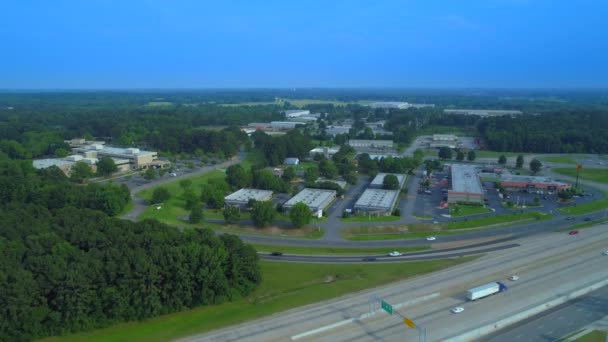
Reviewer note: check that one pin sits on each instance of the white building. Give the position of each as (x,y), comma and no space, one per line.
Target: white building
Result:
(315,199)
(294,113)
(377,201)
(378,181)
(241,197)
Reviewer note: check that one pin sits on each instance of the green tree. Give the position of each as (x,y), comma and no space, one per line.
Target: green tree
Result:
(62,152)
(312,174)
(300,214)
(328,169)
(289,174)
(390,182)
(263,213)
(196,213)
(106,166)
(535,166)
(231,214)
(190,199)
(471,155)
(160,195)
(502,160)
(185,183)
(149,174)
(460,156)
(237,177)
(445,153)
(519,162)
(80,172)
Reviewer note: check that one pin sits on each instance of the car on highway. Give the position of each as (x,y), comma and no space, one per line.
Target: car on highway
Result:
(394,254)
(570,218)
(457,309)
(276,253)
(513,278)
(605,253)
(573,232)
(369,259)
(587,219)
(431,238)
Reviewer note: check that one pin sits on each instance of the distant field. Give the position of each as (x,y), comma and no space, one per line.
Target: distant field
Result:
(159,103)
(495,154)
(300,103)
(558,160)
(595,175)
(284,286)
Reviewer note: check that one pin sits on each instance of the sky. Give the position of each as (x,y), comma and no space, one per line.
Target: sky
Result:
(332,43)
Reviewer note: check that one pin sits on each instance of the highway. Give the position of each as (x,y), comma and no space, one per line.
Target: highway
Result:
(549,266)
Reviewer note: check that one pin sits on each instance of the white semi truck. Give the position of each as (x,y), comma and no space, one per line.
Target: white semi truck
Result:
(485,290)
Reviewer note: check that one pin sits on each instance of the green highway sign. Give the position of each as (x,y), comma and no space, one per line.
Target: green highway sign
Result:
(387,307)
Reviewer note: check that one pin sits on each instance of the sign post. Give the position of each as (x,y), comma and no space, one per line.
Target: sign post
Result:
(387,307)
(578,169)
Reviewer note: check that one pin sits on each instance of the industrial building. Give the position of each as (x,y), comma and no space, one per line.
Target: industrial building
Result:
(138,159)
(531,183)
(377,201)
(242,197)
(328,152)
(482,112)
(291,161)
(294,113)
(63,164)
(335,130)
(444,140)
(390,105)
(315,199)
(466,186)
(370,144)
(378,181)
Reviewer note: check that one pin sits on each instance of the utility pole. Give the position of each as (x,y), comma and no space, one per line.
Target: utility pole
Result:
(578,169)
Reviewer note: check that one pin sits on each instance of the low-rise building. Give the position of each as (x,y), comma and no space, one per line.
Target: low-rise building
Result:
(241,197)
(483,112)
(138,159)
(291,161)
(466,186)
(390,105)
(378,181)
(377,201)
(531,183)
(328,152)
(294,113)
(359,144)
(315,199)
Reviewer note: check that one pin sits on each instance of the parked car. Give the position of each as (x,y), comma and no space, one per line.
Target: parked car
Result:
(431,238)
(570,218)
(457,309)
(605,253)
(573,232)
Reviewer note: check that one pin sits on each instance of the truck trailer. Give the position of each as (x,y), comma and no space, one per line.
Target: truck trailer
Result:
(485,290)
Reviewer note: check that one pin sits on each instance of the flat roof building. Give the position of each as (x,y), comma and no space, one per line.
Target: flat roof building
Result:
(482,112)
(315,199)
(379,144)
(138,158)
(444,137)
(466,186)
(328,152)
(532,183)
(242,196)
(377,201)
(291,161)
(294,113)
(390,105)
(378,181)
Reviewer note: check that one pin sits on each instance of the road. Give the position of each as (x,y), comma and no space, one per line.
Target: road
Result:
(566,262)
(558,322)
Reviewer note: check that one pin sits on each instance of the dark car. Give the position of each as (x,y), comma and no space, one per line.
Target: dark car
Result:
(570,218)
(587,219)
(276,253)
(369,259)
(573,232)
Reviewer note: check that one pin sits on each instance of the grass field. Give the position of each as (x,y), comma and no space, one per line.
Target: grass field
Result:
(159,104)
(594,336)
(466,210)
(494,154)
(370,218)
(595,175)
(421,230)
(584,225)
(558,160)
(334,250)
(306,284)
(586,207)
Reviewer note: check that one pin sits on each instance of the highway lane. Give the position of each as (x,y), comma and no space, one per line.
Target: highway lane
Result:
(558,322)
(534,288)
(534,252)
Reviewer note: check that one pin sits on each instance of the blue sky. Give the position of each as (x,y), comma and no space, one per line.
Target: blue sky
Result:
(202,44)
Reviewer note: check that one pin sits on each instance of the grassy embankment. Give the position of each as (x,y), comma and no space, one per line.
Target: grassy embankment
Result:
(420,230)
(335,250)
(306,284)
(466,210)
(558,160)
(594,175)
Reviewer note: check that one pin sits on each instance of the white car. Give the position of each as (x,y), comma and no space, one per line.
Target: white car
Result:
(513,278)
(394,254)
(431,238)
(457,309)
(605,253)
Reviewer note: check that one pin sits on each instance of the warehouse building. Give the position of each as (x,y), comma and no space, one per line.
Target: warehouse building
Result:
(390,105)
(531,183)
(242,197)
(373,144)
(378,181)
(483,112)
(377,201)
(294,113)
(138,159)
(315,199)
(466,186)
(328,152)
(291,161)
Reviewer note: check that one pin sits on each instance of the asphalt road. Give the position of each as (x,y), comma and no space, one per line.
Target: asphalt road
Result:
(558,322)
(550,265)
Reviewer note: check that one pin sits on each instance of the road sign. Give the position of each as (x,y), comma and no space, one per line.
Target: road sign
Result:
(409,322)
(387,307)
(579,166)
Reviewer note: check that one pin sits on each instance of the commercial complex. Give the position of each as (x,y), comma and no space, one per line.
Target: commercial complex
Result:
(444,140)
(138,159)
(328,152)
(242,197)
(482,112)
(513,182)
(315,199)
(370,144)
(377,201)
(378,181)
(294,113)
(466,186)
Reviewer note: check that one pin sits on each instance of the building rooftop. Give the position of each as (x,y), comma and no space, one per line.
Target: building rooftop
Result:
(377,199)
(46,163)
(243,195)
(360,142)
(465,179)
(313,198)
(444,137)
(114,151)
(379,179)
(399,105)
(530,179)
(482,112)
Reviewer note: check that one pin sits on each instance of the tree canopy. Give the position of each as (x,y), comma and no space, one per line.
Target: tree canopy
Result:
(300,214)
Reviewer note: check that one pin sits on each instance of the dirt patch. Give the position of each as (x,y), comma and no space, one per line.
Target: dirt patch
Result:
(271,230)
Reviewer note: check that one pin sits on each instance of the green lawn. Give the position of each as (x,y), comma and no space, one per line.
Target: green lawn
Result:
(505,219)
(466,210)
(594,336)
(334,250)
(584,225)
(586,207)
(559,160)
(494,154)
(595,175)
(284,286)
(370,218)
